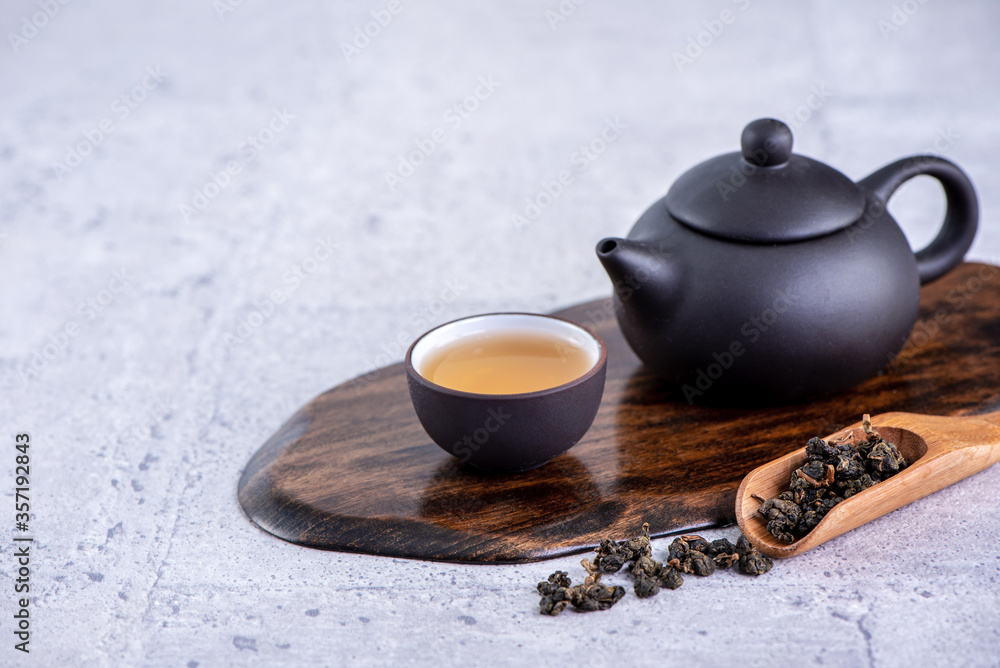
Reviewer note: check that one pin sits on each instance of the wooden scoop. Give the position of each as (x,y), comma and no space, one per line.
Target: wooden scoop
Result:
(941,451)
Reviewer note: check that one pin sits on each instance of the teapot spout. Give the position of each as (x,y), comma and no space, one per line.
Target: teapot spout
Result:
(645,276)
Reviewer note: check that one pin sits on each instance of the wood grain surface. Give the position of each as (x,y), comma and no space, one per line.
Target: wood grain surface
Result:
(353,470)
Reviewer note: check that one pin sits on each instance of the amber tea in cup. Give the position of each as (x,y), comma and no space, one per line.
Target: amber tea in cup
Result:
(506,391)
(508,362)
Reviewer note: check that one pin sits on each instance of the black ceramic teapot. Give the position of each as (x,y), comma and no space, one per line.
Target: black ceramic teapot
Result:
(766,277)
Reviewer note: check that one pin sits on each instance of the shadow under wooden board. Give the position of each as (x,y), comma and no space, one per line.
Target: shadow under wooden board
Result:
(353,470)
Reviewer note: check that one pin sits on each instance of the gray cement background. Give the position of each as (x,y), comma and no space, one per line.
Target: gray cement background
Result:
(145,415)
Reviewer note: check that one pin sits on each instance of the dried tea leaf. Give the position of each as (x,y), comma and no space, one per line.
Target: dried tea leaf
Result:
(751,561)
(646,586)
(671,578)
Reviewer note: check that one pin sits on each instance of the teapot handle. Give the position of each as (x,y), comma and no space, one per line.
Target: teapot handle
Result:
(961,217)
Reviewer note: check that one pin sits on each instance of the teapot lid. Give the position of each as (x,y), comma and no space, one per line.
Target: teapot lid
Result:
(765,193)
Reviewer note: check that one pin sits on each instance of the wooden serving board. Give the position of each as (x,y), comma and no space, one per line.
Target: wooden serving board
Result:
(353,470)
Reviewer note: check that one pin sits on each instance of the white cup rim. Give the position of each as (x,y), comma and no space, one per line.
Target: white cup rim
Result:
(449,332)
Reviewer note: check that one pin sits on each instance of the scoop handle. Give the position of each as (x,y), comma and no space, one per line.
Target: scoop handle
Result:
(961,218)
(949,433)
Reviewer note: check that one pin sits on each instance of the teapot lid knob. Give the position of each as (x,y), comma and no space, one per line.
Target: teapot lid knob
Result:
(766,142)
(764,193)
